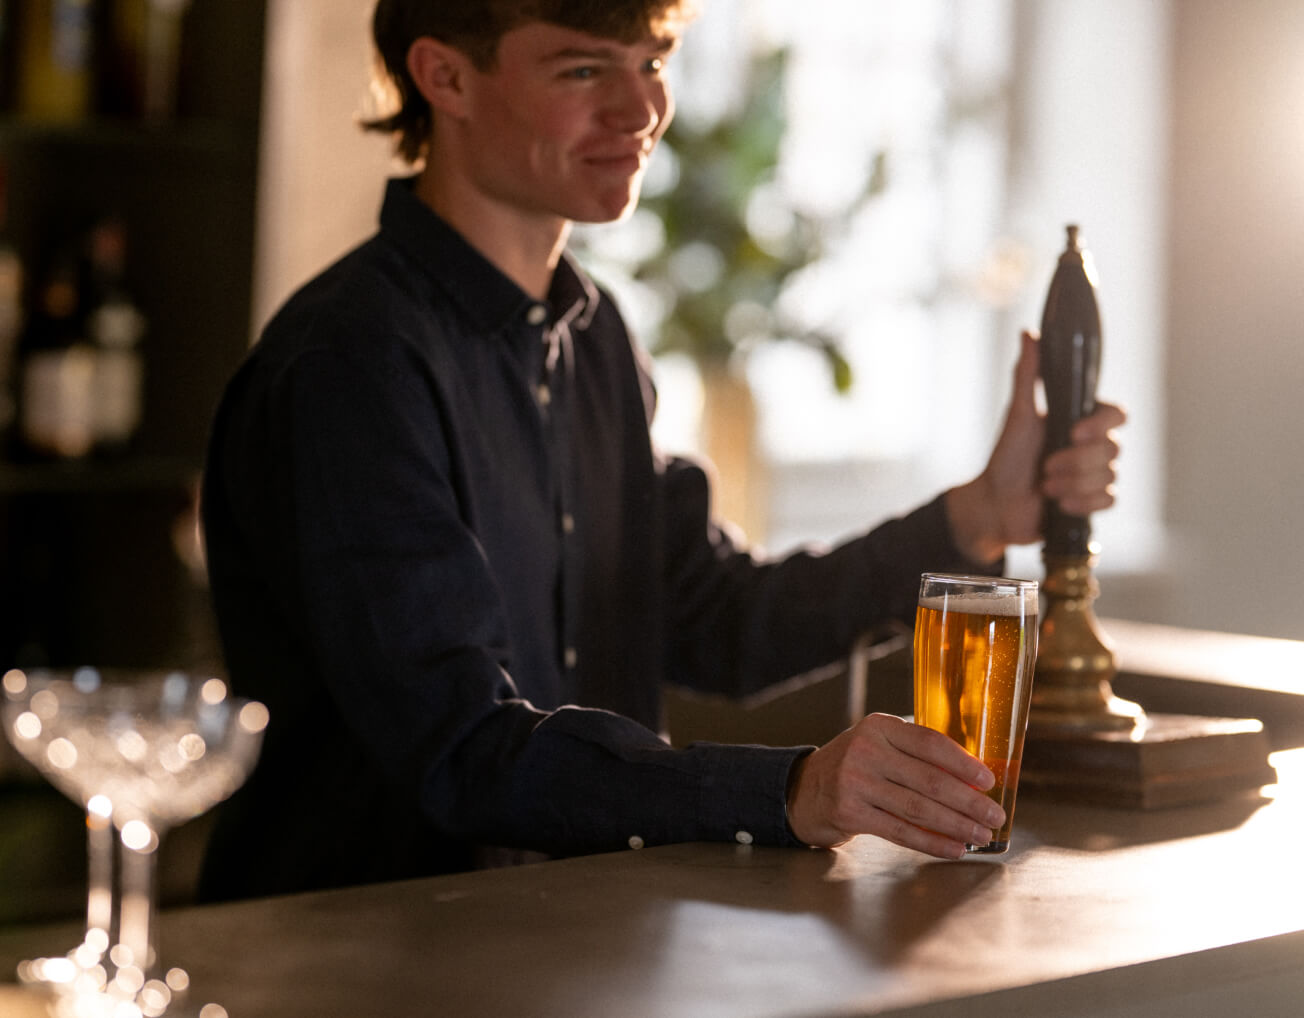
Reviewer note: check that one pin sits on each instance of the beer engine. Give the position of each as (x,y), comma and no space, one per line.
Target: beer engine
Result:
(1083,741)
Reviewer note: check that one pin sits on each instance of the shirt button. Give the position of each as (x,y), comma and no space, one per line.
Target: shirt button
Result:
(571,657)
(743,838)
(537,315)
(544,395)
(567,523)
(635,841)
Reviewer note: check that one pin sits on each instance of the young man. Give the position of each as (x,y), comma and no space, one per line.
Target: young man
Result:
(445,553)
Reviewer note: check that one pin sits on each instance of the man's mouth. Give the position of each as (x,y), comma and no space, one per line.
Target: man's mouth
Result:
(625,160)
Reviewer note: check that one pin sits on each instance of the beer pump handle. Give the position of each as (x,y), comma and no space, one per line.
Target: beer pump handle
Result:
(1070,366)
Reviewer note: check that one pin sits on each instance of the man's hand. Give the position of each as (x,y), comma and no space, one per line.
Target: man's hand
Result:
(1003,505)
(898,781)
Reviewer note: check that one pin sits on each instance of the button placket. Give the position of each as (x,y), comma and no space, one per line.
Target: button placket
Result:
(557,374)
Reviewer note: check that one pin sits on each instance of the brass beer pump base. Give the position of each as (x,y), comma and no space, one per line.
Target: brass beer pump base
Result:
(1072,691)
(1085,744)
(1166,760)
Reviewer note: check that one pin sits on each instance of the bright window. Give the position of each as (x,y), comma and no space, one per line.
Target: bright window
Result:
(994,123)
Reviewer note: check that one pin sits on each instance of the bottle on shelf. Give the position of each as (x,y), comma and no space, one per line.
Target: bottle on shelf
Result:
(8,54)
(11,310)
(120,63)
(55,406)
(114,328)
(163,57)
(139,44)
(56,59)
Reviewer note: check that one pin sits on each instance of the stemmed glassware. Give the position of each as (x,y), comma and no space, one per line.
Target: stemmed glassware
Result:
(140,753)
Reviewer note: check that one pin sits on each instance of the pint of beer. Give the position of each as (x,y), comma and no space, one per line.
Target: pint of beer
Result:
(975,647)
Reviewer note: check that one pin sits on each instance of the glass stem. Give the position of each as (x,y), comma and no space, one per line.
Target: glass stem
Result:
(136,914)
(99,893)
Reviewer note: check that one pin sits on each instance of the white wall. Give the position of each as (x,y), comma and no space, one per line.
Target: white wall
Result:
(321,176)
(1236,344)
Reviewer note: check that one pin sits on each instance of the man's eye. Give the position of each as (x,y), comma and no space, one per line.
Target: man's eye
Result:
(656,65)
(582,73)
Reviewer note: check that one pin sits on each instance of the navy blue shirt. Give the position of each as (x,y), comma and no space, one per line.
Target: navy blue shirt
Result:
(446,555)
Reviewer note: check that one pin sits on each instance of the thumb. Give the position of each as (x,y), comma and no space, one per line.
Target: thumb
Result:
(1018,448)
(1023,401)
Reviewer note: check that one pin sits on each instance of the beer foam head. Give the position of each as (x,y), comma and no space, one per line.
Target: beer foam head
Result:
(983,602)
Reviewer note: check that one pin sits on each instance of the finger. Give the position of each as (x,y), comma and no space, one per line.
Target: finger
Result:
(933,783)
(919,743)
(1080,469)
(1084,505)
(933,798)
(882,824)
(1081,479)
(1079,496)
(1095,452)
(1081,482)
(1097,425)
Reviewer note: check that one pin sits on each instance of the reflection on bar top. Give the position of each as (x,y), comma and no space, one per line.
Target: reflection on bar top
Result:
(1231,659)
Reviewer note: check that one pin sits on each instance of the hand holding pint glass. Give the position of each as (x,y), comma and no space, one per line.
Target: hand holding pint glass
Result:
(975,647)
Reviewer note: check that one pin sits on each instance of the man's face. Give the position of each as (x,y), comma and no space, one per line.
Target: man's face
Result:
(564,123)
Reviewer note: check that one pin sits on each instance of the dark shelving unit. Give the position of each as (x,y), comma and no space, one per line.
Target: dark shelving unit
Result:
(93,567)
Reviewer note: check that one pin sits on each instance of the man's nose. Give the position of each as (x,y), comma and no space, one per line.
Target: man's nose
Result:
(638,104)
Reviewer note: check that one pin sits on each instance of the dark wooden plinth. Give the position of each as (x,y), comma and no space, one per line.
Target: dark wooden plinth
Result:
(1171,760)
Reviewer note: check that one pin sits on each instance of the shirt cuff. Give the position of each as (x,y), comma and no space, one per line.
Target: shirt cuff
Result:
(744,794)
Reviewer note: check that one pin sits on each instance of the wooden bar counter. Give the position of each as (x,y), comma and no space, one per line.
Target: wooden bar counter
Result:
(1189,911)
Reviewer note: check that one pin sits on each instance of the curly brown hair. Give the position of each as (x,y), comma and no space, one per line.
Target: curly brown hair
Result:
(475,27)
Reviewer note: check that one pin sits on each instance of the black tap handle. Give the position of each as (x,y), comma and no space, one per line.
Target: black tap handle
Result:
(1070,367)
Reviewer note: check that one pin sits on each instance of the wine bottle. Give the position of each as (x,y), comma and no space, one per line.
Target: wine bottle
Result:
(162,54)
(8,54)
(114,327)
(55,50)
(58,372)
(122,32)
(138,57)
(11,309)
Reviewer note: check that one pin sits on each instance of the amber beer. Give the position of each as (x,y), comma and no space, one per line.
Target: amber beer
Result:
(975,647)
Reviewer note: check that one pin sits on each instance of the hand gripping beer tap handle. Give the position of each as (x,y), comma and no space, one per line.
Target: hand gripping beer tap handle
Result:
(1070,366)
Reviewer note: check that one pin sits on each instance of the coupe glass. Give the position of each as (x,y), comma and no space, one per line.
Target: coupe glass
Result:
(141,753)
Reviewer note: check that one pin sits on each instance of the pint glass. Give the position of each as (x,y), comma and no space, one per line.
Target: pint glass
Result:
(975,647)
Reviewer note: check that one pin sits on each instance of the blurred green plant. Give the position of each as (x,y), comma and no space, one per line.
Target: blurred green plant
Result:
(733,240)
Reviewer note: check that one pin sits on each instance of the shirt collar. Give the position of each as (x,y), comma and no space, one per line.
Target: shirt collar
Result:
(484,294)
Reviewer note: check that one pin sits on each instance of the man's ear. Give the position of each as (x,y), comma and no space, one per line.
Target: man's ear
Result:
(440,73)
